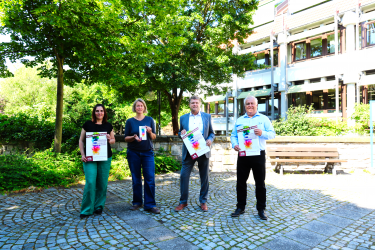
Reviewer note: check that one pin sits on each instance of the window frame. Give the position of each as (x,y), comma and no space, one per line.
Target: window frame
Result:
(308,40)
(267,53)
(216,114)
(364,28)
(308,97)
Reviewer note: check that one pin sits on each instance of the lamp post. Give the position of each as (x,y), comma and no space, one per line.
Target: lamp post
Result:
(159,103)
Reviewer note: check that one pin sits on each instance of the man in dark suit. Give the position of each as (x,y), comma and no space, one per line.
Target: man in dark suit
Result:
(188,122)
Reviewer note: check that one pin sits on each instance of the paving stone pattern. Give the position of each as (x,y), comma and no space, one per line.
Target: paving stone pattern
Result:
(305,212)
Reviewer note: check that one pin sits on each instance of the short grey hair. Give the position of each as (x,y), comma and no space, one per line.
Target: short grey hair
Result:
(248,97)
(141,101)
(194,97)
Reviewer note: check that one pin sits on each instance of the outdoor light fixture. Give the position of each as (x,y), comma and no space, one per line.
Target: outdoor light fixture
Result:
(150,95)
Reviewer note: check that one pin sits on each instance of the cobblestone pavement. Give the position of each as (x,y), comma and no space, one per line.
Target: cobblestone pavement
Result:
(305,212)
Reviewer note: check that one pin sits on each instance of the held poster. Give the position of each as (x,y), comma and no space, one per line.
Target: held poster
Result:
(142,133)
(248,141)
(195,143)
(96,146)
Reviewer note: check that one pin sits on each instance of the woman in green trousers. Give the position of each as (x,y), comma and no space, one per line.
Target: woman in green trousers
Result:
(96,172)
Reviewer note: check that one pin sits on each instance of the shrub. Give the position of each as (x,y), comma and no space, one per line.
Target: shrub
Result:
(23,127)
(165,163)
(43,169)
(300,124)
(119,166)
(361,116)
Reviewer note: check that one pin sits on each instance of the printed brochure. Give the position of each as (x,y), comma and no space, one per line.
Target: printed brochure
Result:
(142,133)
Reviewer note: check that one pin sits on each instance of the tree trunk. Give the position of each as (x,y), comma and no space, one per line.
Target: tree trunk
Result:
(59,106)
(174,110)
(174,104)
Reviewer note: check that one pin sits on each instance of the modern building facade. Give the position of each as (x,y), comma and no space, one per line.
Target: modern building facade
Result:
(323,53)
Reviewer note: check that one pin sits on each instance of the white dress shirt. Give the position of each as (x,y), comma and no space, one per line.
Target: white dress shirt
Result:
(196,121)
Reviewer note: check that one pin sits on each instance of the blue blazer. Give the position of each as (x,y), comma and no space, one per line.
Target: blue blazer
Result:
(208,132)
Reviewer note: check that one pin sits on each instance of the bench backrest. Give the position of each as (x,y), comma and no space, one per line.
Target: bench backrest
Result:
(302,151)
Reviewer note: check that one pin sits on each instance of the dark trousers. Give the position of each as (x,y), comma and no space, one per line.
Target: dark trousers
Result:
(258,165)
(187,166)
(142,160)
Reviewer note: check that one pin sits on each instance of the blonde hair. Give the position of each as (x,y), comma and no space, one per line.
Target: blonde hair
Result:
(141,101)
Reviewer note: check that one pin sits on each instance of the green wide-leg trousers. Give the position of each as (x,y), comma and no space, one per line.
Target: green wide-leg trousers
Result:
(95,192)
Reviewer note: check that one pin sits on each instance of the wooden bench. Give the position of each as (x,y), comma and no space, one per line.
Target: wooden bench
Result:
(297,155)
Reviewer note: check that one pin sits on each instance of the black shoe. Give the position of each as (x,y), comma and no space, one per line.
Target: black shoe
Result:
(99,211)
(82,216)
(238,212)
(153,210)
(262,215)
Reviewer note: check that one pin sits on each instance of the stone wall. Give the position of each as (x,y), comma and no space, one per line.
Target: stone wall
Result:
(354,149)
(14,147)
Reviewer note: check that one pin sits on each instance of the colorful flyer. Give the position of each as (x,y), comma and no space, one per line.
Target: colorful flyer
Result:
(96,146)
(195,143)
(248,141)
(142,133)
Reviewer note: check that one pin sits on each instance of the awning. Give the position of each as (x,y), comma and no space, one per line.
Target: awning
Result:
(256,93)
(367,80)
(312,87)
(215,98)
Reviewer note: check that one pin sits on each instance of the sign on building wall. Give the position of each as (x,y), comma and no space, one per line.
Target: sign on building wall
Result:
(297,5)
(264,14)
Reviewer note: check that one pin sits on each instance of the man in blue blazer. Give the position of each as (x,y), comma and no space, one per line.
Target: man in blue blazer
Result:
(188,122)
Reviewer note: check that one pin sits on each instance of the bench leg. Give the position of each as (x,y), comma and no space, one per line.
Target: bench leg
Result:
(333,169)
(281,170)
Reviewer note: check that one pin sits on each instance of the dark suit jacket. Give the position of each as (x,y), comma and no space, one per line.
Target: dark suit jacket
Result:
(208,132)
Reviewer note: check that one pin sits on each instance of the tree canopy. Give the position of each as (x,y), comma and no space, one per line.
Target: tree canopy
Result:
(194,48)
(79,37)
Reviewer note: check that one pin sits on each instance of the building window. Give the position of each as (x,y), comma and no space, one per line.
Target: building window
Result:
(300,51)
(264,58)
(218,108)
(221,107)
(230,105)
(261,58)
(316,46)
(275,58)
(331,43)
(322,101)
(371,92)
(212,108)
(262,105)
(317,100)
(370,34)
(367,33)
(331,99)
(319,46)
